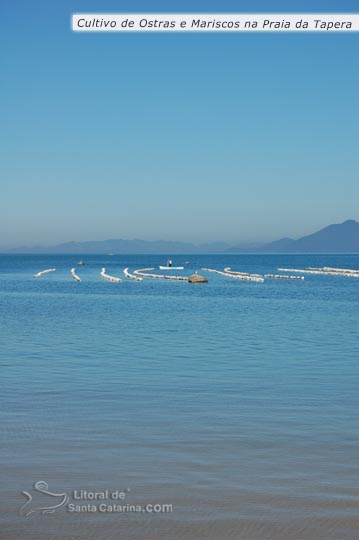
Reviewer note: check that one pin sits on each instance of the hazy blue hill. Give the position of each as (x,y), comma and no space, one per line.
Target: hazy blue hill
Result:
(337,238)
(119,246)
(273,247)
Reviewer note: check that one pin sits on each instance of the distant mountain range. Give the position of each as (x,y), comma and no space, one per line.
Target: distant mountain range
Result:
(338,238)
(127,246)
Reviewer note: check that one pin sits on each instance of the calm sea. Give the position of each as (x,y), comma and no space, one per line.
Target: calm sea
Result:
(234,402)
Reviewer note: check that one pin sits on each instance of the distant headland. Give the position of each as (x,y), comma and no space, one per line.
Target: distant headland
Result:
(335,238)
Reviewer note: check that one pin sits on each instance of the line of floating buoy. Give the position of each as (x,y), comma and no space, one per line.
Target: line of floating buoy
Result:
(281,276)
(330,269)
(131,276)
(228,270)
(323,271)
(109,278)
(243,277)
(43,272)
(146,272)
(75,276)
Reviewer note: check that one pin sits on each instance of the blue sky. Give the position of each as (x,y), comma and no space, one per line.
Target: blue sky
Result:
(197,137)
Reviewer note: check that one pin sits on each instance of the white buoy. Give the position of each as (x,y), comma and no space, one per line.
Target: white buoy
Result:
(228,270)
(109,278)
(74,275)
(43,272)
(131,276)
(146,272)
(345,272)
(244,277)
(281,276)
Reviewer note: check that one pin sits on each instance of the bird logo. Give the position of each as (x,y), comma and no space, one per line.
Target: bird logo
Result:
(39,500)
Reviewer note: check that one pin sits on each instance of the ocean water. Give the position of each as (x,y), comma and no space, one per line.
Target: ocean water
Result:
(234,402)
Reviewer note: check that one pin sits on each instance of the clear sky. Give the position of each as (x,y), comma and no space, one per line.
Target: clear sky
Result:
(196,137)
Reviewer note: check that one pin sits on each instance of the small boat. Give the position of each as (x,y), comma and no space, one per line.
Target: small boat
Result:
(171,267)
(80,263)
